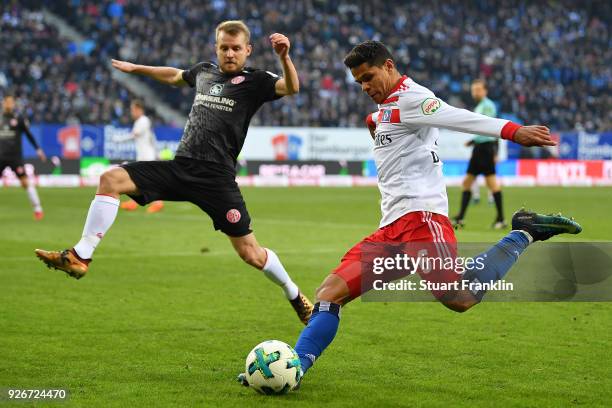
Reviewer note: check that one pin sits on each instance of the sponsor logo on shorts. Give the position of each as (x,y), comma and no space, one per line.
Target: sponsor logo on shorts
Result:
(430,106)
(233,216)
(237,80)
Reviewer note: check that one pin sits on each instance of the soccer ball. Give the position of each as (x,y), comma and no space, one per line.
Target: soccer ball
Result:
(273,367)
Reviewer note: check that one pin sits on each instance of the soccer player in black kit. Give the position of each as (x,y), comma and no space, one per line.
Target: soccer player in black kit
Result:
(12,126)
(204,169)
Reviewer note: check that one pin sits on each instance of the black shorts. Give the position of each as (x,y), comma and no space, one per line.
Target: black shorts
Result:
(483,159)
(15,164)
(210,186)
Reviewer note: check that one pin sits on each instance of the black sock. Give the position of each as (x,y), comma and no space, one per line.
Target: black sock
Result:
(465,200)
(498,204)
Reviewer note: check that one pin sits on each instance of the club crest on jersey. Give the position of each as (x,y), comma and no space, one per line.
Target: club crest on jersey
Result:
(233,216)
(216,89)
(237,80)
(385,116)
(430,106)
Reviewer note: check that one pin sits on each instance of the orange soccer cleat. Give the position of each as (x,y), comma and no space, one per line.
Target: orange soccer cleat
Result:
(65,260)
(129,205)
(156,206)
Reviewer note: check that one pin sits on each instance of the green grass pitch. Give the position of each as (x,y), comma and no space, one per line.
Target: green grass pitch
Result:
(159,322)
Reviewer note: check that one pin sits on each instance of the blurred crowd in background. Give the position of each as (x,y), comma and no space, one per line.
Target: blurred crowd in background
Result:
(545,62)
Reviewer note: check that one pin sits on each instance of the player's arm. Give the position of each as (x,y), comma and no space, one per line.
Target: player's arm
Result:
(289,84)
(165,75)
(25,128)
(427,110)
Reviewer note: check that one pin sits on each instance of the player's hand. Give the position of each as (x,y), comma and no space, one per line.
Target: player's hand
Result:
(281,44)
(123,66)
(41,155)
(534,136)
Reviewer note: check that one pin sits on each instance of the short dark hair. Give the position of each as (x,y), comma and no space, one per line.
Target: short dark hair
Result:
(374,53)
(481,82)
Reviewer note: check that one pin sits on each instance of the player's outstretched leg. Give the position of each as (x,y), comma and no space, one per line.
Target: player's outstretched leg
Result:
(33,197)
(323,324)
(267,261)
(101,215)
(527,227)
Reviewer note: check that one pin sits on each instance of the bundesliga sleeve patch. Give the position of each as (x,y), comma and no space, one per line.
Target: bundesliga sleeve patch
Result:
(430,106)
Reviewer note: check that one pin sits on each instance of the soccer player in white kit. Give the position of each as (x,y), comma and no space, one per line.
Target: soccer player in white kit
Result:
(414,203)
(144,141)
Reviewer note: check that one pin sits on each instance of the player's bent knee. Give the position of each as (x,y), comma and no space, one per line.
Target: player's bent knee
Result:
(333,290)
(115,182)
(107,184)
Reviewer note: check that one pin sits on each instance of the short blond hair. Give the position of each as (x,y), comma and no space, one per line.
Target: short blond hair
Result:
(233,27)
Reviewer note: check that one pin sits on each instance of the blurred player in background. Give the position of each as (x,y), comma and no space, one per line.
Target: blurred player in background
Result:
(414,201)
(144,140)
(482,161)
(203,171)
(12,126)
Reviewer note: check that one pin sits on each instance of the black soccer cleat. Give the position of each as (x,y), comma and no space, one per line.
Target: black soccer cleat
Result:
(457,222)
(542,227)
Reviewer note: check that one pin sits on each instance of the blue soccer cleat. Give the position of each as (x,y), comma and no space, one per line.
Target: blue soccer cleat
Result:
(542,227)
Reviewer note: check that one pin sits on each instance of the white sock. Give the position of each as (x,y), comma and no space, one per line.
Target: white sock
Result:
(275,271)
(33,196)
(101,215)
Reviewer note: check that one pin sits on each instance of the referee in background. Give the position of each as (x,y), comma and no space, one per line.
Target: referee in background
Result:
(482,160)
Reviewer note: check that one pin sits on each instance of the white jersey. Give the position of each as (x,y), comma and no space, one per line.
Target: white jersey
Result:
(144,139)
(406,152)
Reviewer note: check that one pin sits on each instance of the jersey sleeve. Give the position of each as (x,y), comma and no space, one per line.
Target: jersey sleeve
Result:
(189,75)
(24,126)
(267,86)
(425,109)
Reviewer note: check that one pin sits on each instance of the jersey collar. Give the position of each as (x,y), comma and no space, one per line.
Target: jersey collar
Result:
(395,88)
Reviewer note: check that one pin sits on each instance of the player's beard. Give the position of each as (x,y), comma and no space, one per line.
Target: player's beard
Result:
(231,68)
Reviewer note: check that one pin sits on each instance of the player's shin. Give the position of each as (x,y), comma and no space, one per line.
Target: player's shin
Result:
(318,334)
(34,199)
(497,261)
(275,271)
(101,215)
